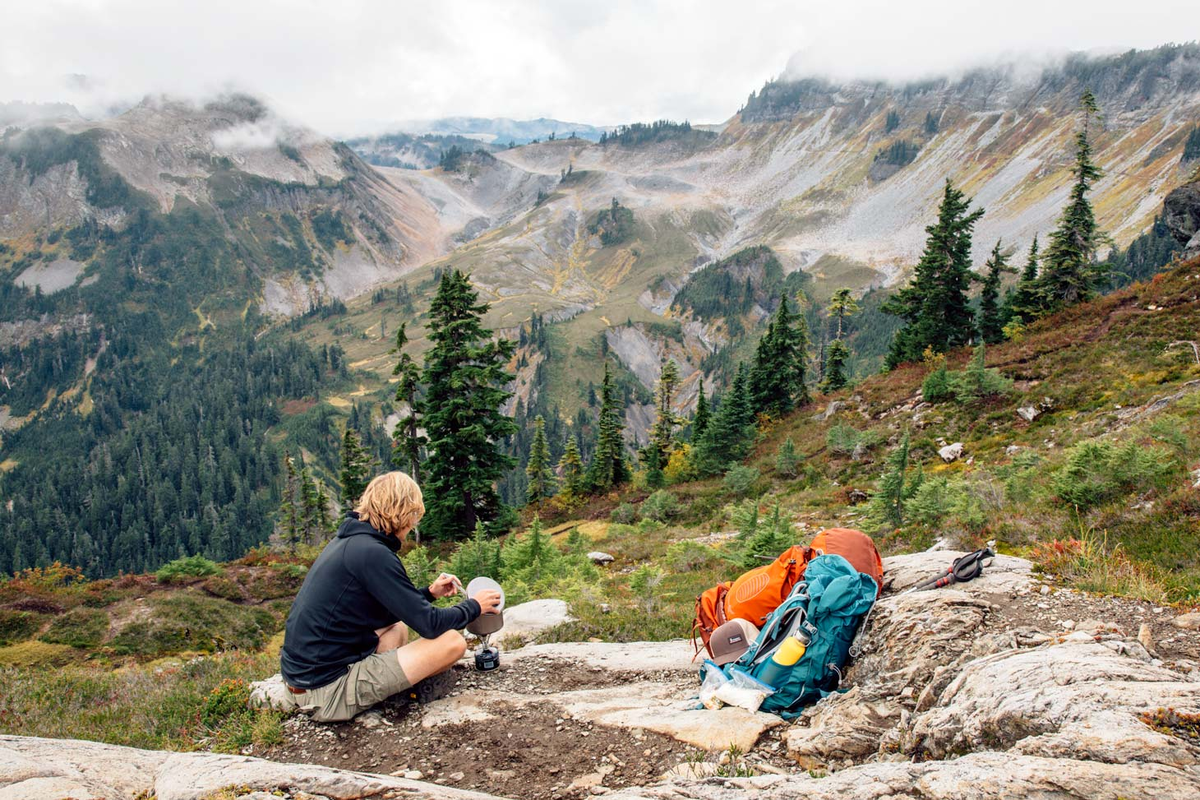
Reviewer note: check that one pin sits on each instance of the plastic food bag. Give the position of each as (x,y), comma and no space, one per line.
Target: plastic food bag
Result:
(714,679)
(743,691)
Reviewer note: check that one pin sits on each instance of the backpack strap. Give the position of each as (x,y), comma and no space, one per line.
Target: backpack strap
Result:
(698,627)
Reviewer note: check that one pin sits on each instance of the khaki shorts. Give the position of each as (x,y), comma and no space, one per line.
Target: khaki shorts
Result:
(367,682)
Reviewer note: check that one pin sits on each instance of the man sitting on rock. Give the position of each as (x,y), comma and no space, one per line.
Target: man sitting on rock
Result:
(346,644)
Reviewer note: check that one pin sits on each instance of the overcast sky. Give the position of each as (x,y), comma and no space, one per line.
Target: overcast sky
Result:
(351,66)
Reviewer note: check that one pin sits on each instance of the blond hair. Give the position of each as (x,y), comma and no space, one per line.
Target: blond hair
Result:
(392,504)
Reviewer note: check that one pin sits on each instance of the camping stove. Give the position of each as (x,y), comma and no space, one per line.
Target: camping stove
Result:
(487,658)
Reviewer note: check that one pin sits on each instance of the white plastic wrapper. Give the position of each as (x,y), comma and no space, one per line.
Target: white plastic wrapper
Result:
(743,691)
(714,679)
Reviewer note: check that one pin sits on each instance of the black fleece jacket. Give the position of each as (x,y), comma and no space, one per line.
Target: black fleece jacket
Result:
(355,587)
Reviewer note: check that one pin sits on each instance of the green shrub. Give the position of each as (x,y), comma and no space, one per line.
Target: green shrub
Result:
(421,567)
(936,386)
(1168,429)
(786,460)
(969,386)
(930,503)
(689,556)
(1022,478)
(660,506)
(1096,472)
(624,514)
(220,586)
(191,622)
(771,537)
(187,567)
(228,697)
(645,583)
(16,626)
(977,382)
(842,439)
(739,480)
(79,627)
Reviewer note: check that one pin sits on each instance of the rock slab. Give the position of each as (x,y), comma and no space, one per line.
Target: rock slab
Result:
(38,769)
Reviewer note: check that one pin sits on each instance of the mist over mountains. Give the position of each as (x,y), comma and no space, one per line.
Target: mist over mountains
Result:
(180,228)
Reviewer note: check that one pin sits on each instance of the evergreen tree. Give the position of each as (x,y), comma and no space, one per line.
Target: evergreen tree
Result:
(465,380)
(841,305)
(571,465)
(887,504)
(931,124)
(356,468)
(288,511)
(1023,303)
(310,505)
(780,362)
(991,313)
(408,441)
(541,478)
(785,459)
(771,537)
(477,556)
(731,434)
(662,432)
(934,306)
(701,418)
(608,467)
(1070,273)
(324,519)
(531,557)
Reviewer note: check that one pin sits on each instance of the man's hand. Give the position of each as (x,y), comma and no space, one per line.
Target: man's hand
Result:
(445,585)
(489,601)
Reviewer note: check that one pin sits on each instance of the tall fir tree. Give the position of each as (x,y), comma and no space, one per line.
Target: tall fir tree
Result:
(777,379)
(356,468)
(1023,304)
(663,439)
(541,477)
(289,511)
(465,384)
(608,468)
(731,433)
(702,417)
(1070,273)
(887,504)
(991,313)
(934,306)
(313,511)
(571,466)
(837,356)
(408,443)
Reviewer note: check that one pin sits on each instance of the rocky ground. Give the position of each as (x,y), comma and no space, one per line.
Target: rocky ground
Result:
(1007,686)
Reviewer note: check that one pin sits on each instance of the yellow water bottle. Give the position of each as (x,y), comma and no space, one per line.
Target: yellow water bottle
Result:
(780,664)
(791,651)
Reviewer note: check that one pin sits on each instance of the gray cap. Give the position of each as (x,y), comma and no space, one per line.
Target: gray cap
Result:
(730,640)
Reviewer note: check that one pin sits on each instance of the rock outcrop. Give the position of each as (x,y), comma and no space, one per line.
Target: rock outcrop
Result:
(980,690)
(1181,214)
(39,769)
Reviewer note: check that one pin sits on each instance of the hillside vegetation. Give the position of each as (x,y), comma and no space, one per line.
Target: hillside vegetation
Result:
(1100,488)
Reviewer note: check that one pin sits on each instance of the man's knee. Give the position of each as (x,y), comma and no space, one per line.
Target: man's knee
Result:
(455,646)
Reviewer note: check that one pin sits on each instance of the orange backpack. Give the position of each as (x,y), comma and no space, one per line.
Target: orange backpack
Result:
(752,596)
(854,546)
(760,591)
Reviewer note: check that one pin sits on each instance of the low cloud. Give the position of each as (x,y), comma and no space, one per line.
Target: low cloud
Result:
(361,65)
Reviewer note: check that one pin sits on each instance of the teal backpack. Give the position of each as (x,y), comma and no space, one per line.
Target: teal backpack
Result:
(828,605)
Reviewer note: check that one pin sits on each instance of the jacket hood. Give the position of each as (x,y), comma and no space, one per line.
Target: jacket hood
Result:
(353,526)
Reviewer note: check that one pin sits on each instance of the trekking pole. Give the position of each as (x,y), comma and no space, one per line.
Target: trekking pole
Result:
(964,568)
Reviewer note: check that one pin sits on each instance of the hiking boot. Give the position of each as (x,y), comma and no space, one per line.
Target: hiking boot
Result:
(433,688)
